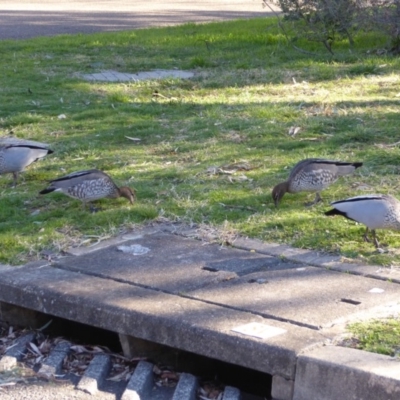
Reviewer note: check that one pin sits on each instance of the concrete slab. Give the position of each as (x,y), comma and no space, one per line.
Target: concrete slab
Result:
(282,389)
(317,259)
(116,76)
(156,285)
(159,317)
(307,296)
(332,373)
(172,264)
(249,281)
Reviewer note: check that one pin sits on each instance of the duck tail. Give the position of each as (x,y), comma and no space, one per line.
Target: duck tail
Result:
(348,168)
(334,211)
(47,190)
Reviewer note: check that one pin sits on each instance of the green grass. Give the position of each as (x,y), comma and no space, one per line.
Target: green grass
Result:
(377,336)
(250,88)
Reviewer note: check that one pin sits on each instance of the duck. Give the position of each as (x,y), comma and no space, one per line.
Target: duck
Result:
(375,211)
(89,185)
(313,175)
(17,154)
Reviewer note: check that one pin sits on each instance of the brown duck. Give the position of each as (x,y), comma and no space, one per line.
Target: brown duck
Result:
(88,186)
(313,175)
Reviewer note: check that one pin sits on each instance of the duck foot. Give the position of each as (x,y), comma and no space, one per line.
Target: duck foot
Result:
(313,203)
(94,209)
(316,201)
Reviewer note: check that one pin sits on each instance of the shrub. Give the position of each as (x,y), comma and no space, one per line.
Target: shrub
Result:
(326,21)
(384,15)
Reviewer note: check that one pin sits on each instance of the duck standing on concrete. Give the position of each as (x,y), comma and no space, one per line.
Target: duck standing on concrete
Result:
(377,211)
(313,175)
(88,186)
(17,154)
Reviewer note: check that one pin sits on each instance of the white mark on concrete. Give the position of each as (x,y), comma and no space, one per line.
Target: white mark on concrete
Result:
(376,290)
(135,249)
(258,330)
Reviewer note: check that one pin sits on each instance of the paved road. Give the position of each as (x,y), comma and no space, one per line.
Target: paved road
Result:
(21,19)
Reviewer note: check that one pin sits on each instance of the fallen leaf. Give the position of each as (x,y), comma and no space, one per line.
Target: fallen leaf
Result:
(294,130)
(35,348)
(121,376)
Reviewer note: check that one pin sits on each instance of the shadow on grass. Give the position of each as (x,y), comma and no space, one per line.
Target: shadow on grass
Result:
(219,118)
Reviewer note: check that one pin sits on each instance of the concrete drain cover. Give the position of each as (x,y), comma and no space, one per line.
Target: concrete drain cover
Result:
(115,76)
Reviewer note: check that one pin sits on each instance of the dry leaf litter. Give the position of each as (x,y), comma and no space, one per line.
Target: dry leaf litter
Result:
(78,361)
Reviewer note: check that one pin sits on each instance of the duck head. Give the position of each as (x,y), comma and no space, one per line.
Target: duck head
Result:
(128,193)
(278,192)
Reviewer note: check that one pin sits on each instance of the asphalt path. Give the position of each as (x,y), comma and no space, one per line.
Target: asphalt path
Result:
(23,19)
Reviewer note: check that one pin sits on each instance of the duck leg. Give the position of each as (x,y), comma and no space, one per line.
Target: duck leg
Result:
(365,236)
(374,239)
(15,176)
(376,243)
(317,199)
(93,209)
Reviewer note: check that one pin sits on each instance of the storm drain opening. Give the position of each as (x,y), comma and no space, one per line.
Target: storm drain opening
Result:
(210,269)
(212,374)
(350,301)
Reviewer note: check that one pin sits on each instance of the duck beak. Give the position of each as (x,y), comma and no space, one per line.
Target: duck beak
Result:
(132,197)
(276,199)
